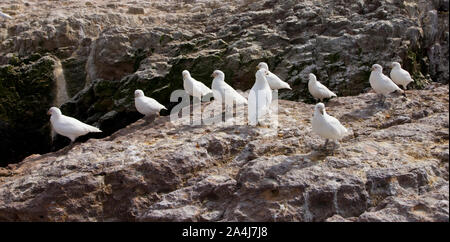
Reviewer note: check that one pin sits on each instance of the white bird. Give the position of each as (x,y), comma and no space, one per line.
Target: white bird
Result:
(381,83)
(194,87)
(259,98)
(224,92)
(326,126)
(400,76)
(68,126)
(4,15)
(275,82)
(146,105)
(317,89)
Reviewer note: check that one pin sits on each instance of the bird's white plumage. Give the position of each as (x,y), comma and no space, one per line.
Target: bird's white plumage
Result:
(194,87)
(222,91)
(317,89)
(274,81)
(4,15)
(68,126)
(380,82)
(400,76)
(259,98)
(146,105)
(326,126)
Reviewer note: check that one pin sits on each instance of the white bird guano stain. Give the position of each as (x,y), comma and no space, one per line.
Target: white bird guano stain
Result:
(61,90)
(91,71)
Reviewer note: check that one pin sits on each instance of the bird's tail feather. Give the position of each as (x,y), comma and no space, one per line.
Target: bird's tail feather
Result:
(94,129)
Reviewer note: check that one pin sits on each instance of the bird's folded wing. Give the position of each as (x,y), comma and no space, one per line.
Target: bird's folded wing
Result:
(406,75)
(336,124)
(389,84)
(73,126)
(273,77)
(228,90)
(204,89)
(197,89)
(152,103)
(324,90)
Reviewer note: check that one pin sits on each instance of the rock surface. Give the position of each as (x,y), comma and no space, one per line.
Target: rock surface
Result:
(384,170)
(107,49)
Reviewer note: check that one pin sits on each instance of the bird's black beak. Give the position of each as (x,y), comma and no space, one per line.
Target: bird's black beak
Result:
(321,111)
(48,112)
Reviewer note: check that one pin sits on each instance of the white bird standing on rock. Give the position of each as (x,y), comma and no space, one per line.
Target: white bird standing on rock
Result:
(4,15)
(317,89)
(146,105)
(326,126)
(194,87)
(259,98)
(68,126)
(381,83)
(400,76)
(222,91)
(274,81)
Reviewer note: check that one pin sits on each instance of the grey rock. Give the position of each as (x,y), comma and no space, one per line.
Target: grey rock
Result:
(163,171)
(136,10)
(150,46)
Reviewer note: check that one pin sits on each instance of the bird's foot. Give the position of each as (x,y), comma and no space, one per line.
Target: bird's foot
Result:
(324,146)
(336,145)
(150,118)
(404,93)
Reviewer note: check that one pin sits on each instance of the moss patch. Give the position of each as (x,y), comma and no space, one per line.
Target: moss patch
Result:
(414,63)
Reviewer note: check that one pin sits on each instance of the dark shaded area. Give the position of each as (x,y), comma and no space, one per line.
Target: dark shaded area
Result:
(26,93)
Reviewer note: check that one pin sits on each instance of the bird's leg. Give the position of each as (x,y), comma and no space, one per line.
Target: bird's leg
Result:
(378,99)
(150,118)
(334,147)
(228,115)
(382,100)
(258,124)
(326,143)
(336,144)
(229,108)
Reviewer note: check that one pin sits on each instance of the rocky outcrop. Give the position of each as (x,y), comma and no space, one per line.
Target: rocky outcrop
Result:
(393,166)
(108,49)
